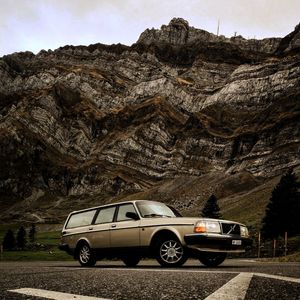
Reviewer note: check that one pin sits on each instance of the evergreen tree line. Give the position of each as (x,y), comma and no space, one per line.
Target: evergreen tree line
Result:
(211,208)
(282,212)
(10,242)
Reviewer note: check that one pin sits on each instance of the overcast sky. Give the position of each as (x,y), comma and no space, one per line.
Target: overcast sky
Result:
(48,24)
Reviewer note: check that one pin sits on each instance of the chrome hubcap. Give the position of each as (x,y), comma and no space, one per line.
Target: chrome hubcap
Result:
(171,251)
(84,254)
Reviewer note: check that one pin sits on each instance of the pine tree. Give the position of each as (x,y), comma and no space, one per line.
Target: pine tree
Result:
(21,237)
(9,241)
(211,208)
(283,209)
(32,233)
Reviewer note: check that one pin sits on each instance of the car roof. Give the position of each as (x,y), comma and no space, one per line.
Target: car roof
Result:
(111,204)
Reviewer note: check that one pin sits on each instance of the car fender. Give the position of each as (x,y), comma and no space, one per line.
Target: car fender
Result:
(82,239)
(170,229)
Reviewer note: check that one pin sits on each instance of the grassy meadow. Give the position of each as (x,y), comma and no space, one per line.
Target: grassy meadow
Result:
(44,247)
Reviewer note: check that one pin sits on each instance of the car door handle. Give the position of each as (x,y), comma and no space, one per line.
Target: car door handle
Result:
(113,226)
(91,228)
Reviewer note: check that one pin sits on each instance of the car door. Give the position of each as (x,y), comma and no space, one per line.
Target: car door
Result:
(78,227)
(101,227)
(125,232)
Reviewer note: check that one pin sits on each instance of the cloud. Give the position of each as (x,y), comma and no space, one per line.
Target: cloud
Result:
(34,24)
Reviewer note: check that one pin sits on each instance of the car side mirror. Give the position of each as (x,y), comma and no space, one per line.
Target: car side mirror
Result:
(132,215)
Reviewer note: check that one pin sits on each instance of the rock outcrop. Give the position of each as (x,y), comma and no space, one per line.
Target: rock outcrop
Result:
(84,125)
(179,33)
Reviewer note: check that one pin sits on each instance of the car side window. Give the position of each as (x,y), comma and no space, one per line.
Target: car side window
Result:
(123,209)
(81,219)
(106,215)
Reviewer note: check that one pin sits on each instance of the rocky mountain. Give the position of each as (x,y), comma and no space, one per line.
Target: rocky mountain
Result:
(178,115)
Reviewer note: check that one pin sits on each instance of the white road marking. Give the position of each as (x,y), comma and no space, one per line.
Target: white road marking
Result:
(53,295)
(235,289)
(248,260)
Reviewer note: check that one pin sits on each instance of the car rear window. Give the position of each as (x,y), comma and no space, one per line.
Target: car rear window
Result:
(81,219)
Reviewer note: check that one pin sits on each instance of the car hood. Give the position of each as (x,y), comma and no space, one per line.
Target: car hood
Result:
(183,220)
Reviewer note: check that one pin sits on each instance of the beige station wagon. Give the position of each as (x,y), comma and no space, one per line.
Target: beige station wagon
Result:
(136,229)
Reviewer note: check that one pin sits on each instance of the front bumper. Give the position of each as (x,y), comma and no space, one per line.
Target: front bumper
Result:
(217,242)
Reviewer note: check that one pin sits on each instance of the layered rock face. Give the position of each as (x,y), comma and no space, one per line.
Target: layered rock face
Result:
(102,122)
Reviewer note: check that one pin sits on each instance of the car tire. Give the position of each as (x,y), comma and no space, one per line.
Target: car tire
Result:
(170,252)
(212,259)
(86,256)
(131,261)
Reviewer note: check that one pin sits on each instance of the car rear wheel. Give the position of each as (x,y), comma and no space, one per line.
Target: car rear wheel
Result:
(212,259)
(170,253)
(85,256)
(131,261)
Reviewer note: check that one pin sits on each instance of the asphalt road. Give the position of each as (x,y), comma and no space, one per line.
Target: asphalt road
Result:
(234,279)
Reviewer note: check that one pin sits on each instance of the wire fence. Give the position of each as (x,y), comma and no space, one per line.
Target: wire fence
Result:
(281,246)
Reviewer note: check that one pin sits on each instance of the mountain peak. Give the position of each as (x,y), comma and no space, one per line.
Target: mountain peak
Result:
(179,22)
(177,32)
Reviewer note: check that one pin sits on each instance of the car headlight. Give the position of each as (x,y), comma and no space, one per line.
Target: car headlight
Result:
(244,231)
(207,226)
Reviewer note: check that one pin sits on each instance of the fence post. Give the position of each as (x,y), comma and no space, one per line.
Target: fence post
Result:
(258,250)
(1,251)
(274,247)
(285,243)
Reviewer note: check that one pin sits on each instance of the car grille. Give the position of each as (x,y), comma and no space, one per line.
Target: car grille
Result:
(231,228)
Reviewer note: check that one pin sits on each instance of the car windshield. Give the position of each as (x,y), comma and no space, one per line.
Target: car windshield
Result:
(154,210)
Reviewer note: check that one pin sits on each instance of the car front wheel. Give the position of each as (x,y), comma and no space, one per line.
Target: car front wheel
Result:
(170,253)
(85,256)
(212,259)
